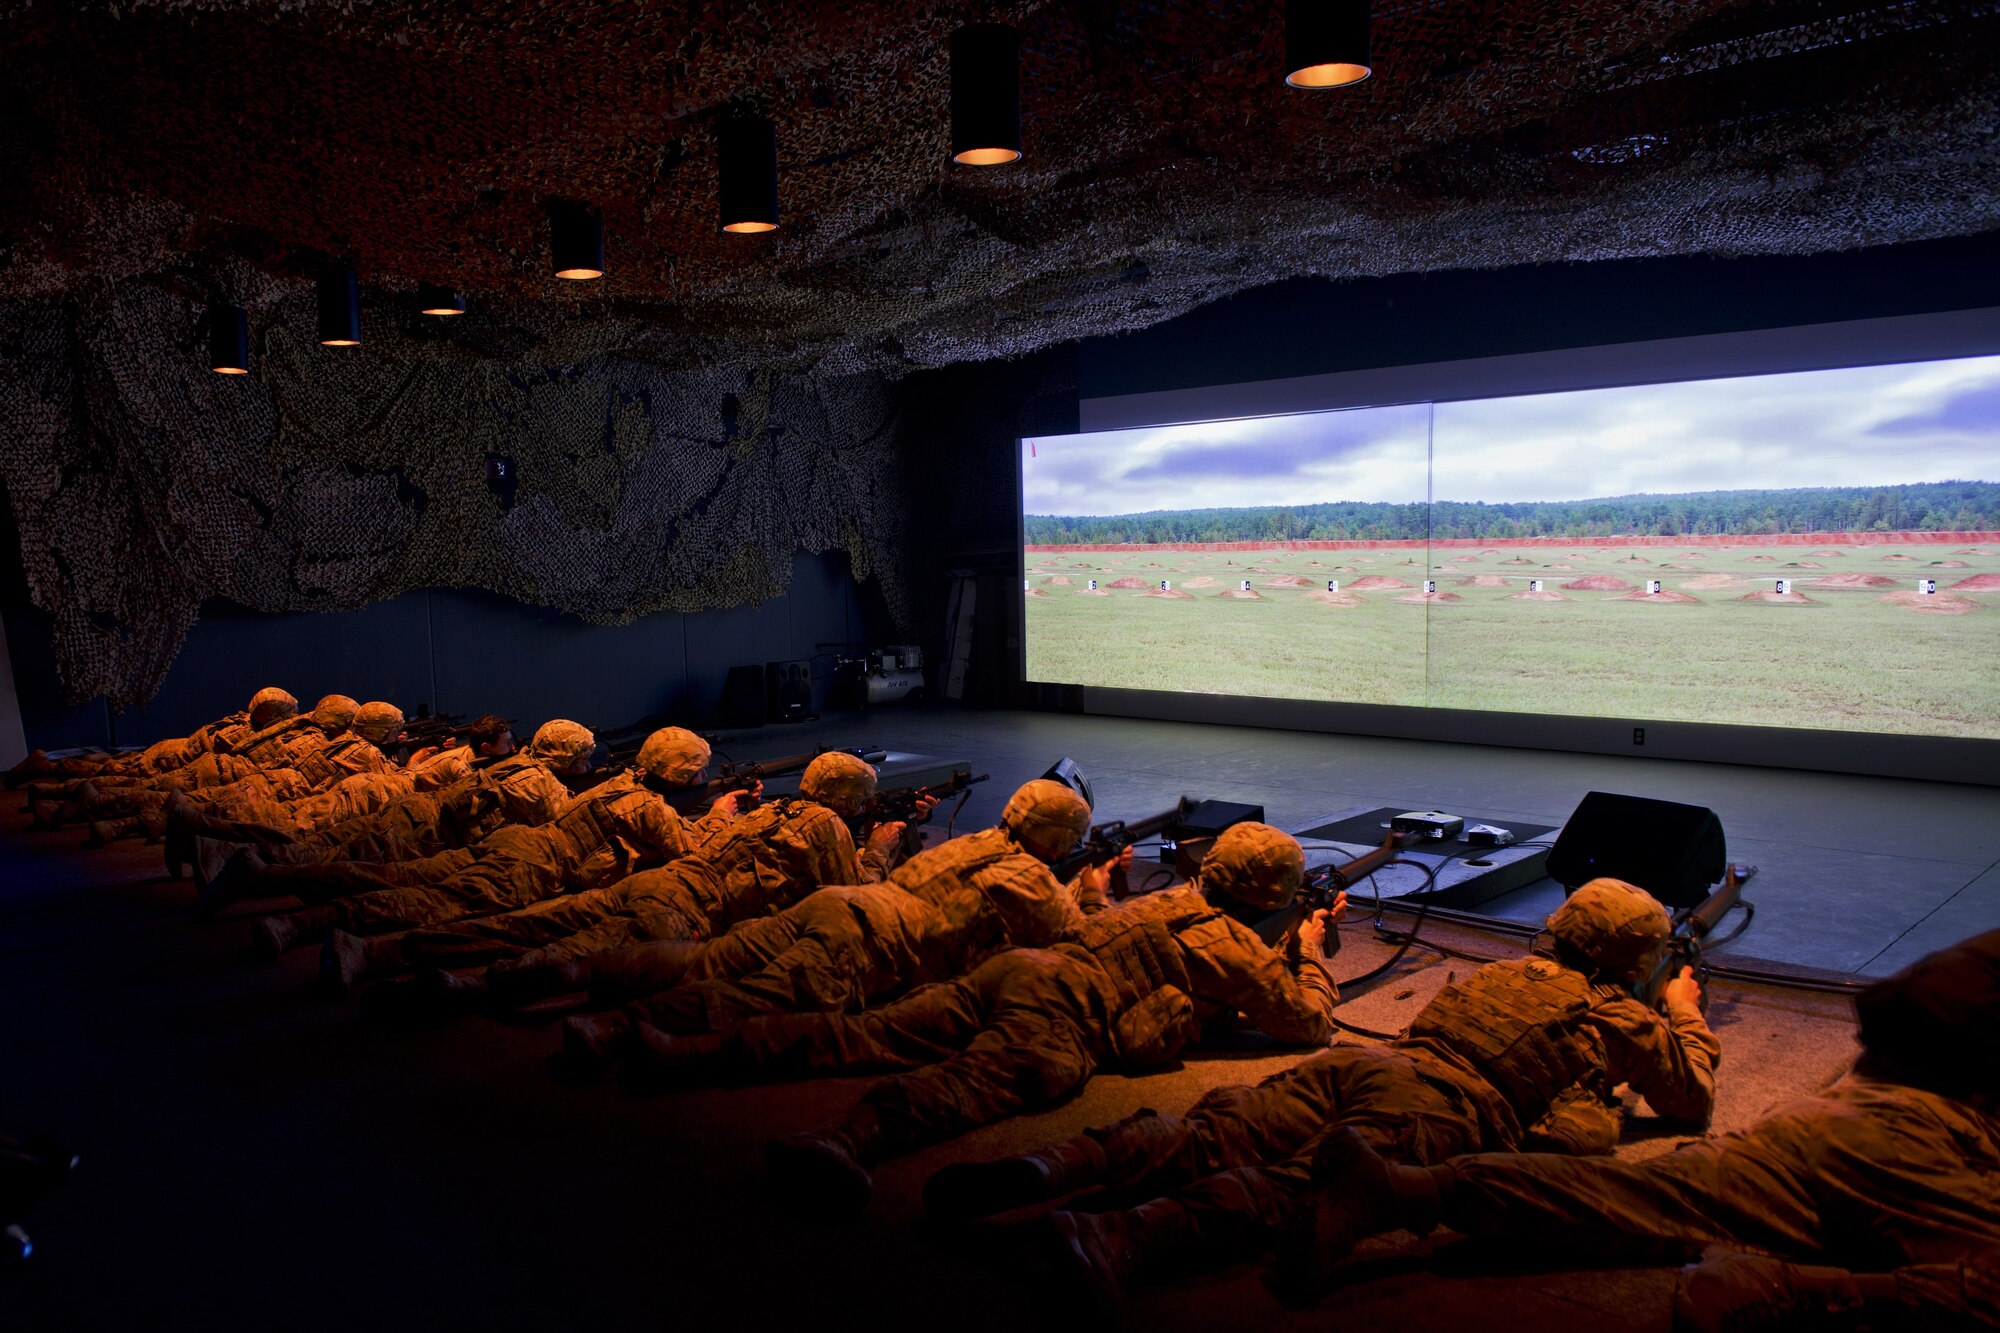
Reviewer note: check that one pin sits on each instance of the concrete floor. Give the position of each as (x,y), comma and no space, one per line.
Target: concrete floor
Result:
(254,1158)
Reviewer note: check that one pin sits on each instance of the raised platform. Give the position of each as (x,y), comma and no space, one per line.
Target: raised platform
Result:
(1447,872)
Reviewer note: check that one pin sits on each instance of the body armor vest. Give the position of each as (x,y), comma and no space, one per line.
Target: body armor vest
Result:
(1137,948)
(318,768)
(941,871)
(588,823)
(1517,1022)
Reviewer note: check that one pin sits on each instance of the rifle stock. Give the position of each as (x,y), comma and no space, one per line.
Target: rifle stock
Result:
(1324,885)
(901,803)
(1683,947)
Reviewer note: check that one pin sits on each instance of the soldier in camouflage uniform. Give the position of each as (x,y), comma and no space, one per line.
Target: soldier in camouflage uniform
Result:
(226,816)
(936,917)
(1891,1177)
(1028,1027)
(263,797)
(1486,1063)
(267,707)
(603,834)
(522,788)
(280,745)
(760,862)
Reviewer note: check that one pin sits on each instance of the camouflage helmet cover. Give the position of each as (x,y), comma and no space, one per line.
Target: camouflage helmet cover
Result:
(270,705)
(377,721)
(335,713)
(561,742)
(1614,924)
(839,781)
(1254,864)
(1046,817)
(674,754)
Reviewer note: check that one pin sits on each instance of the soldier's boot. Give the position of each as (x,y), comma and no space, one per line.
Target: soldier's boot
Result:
(1356,1193)
(182,826)
(660,1061)
(104,832)
(590,1042)
(965,1190)
(1728,1292)
(151,812)
(45,814)
(242,874)
(1099,1256)
(512,983)
(348,957)
(430,996)
(274,936)
(825,1170)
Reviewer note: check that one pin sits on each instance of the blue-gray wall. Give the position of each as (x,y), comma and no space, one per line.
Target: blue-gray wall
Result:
(460,652)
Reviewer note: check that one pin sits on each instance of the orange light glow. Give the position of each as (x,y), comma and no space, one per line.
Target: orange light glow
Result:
(579,274)
(988,157)
(230,370)
(443,310)
(1336,75)
(340,342)
(747,228)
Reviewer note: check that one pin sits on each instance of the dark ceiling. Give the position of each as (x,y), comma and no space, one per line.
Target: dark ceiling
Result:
(218,146)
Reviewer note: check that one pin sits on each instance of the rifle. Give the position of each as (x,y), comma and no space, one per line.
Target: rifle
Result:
(902,803)
(1323,887)
(422,732)
(1691,930)
(1107,842)
(735,776)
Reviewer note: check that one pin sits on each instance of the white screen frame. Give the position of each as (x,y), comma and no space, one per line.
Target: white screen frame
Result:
(1709,356)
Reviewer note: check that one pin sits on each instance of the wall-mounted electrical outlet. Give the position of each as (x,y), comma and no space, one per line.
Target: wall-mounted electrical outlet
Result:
(1638,735)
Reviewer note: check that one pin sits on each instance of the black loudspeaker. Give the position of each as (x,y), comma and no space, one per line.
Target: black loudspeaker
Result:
(1672,851)
(743,697)
(788,691)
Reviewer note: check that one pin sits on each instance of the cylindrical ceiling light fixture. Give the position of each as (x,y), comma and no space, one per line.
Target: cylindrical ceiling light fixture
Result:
(435,300)
(746,172)
(576,240)
(985,95)
(228,338)
(339,307)
(1326,43)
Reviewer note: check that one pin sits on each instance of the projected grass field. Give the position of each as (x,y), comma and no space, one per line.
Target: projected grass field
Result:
(1854,646)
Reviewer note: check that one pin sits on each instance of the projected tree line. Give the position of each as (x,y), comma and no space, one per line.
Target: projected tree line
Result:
(1946,506)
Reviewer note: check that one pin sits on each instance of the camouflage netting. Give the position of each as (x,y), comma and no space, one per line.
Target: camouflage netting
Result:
(716,402)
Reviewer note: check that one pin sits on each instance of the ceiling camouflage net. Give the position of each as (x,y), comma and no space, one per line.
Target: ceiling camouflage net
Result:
(716,402)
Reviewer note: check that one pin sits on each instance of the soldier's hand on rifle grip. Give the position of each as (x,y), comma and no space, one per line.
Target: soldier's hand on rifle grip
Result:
(733,803)
(923,805)
(1312,933)
(1682,988)
(885,838)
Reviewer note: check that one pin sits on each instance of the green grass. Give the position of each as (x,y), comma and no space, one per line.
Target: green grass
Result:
(1853,662)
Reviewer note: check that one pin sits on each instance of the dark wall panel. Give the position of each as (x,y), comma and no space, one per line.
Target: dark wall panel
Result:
(460,652)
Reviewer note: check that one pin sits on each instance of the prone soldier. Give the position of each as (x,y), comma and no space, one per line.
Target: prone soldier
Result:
(1523,1051)
(606,832)
(1875,1203)
(937,916)
(1028,1027)
(267,707)
(760,862)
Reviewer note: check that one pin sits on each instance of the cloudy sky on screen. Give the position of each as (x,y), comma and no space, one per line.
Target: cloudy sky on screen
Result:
(1867,426)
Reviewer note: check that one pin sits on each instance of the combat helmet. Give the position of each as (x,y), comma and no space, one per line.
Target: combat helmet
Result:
(560,743)
(270,706)
(1614,925)
(1254,864)
(1046,817)
(334,714)
(841,782)
(377,722)
(674,755)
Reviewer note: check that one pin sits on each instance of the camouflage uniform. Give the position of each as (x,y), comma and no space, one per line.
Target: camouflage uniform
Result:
(758,863)
(936,917)
(268,706)
(1487,1059)
(267,799)
(1895,1170)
